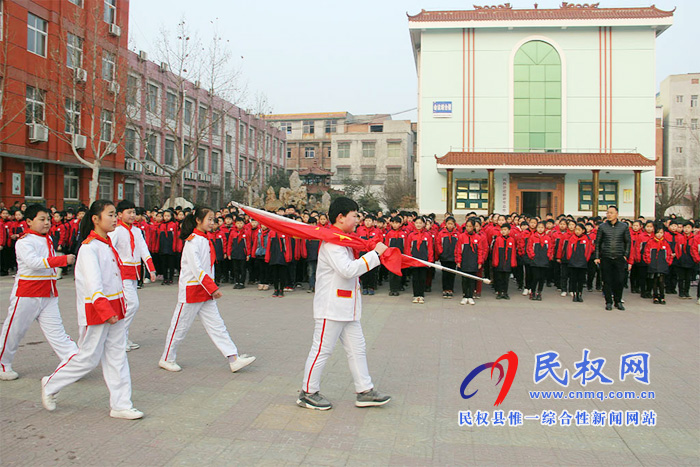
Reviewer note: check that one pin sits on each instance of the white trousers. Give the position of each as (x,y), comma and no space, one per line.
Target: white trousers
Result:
(326,334)
(132,303)
(103,343)
(183,317)
(22,313)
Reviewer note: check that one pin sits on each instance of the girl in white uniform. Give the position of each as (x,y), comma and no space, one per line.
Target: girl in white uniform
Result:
(197,293)
(101,308)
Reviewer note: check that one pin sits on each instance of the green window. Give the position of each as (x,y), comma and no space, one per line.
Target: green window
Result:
(607,195)
(537,98)
(472,194)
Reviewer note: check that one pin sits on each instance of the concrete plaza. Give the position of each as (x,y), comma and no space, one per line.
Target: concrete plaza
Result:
(420,354)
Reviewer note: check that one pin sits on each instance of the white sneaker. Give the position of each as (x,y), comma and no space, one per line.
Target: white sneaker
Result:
(170,366)
(131,346)
(146,280)
(698,301)
(526,291)
(241,362)
(464,301)
(8,375)
(471,301)
(47,400)
(127,414)
(563,294)
(571,293)
(415,300)
(421,300)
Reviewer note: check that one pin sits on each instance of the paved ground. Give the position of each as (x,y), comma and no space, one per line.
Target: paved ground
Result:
(418,353)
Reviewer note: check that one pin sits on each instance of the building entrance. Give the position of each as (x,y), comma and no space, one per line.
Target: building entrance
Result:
(536,203)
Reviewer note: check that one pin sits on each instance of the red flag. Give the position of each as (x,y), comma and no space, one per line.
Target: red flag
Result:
(392,259)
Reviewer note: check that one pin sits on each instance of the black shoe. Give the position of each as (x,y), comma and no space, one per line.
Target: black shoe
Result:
(428,289)
(620,306)
(276,294)
(662,301)
(506,296)
(656,301)
(499,296)
(608,306)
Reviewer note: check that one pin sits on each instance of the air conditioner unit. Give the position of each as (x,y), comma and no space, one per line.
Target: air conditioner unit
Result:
(207,178)
(143,56)
(159,171)
(80,75)
(134,165)
(189,175)
(164,67)
(202,177)
(114,87)
(79,141)
(115,30)
(38,133)
(197,84)
(111,148)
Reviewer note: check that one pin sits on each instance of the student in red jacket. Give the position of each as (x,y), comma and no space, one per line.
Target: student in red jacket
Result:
(695,252)
(367,231)
(446,243)
(167,237)
(672,237)
(238,250)
(4,239)
(419,244)
(504,258)
(685,266)
(578,254)
(396,238)
(658,256)
(639,267)
(540,251)
(470,254)
(278,256)
(560,235)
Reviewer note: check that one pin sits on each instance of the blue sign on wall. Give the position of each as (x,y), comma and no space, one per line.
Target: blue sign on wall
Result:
(442,108)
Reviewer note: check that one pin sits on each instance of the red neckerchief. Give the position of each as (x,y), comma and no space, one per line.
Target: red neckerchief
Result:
(107,241)
(49,243)
(212,253)
(131,236)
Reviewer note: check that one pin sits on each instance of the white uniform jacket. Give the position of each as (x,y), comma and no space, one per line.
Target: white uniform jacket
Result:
(98,282)
(338,294)
(196,283)
(132,249)
(36,266)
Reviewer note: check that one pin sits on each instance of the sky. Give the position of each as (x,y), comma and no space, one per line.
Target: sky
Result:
(331,56)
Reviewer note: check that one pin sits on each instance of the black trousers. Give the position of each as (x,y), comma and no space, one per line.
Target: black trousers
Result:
(369,279)
(419,277)
(448,278)
(168,266)
(280,275)
(238,271)
(500,281)
(538,276)
(657,285)
(685,276)
(468,286)
(577,277)
(672,278)
(564,277)
(518,273)
(614,272)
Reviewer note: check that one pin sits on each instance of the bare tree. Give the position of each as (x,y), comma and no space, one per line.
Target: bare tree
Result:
(399,193)
(668,194)
(190,66)
(86,97)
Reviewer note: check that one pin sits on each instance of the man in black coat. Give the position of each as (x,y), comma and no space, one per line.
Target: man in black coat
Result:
(612,248)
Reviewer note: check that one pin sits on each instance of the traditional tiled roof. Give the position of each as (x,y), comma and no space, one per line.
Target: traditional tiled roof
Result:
(558,159)
(567,11)
(314,171)
(308,116)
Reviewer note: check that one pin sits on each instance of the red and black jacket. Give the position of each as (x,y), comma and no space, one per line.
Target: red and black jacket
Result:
(504,256)
(579,251)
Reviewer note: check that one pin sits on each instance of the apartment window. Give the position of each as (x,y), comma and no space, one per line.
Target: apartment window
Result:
(331,126)
(107,123)
(309,152)
(229,144)
(308,127)
(152,147)
(241,168)
(368,149)
(694,100)
(108,64)
(202,160)
(202,118)
(607,195)
(251,138)
(170,105)
(130,192)
(394,148)
(342,173)
(289,153)
(169,152)
(368,174)
(105,184)
(393,174)
(472,194)
(35,105)
(251,170)
(679,99)
(215,162)
(37,31)
(151,98)
(33,180)
(132,87)
(215,117)
(679,122)
(201,196)
(343,150)
(130,143)
(241,133)
(74,51)
(328,152)
(71,178)
(110,15)
(376,128)
(679,149)
(693,123)
(188,112)
(77,2)
(72,116)
(227,182)
(286,127)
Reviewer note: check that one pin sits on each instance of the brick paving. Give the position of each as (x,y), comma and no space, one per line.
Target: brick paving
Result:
(420,354)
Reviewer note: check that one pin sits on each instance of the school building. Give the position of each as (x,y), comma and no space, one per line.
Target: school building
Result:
(536,110)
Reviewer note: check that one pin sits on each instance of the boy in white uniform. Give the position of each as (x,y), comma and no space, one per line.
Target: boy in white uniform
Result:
(337,312)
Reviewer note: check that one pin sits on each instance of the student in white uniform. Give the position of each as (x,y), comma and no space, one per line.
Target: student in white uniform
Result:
(337,311)
(34,296)
(197,293)
(101,308)
(128,240)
